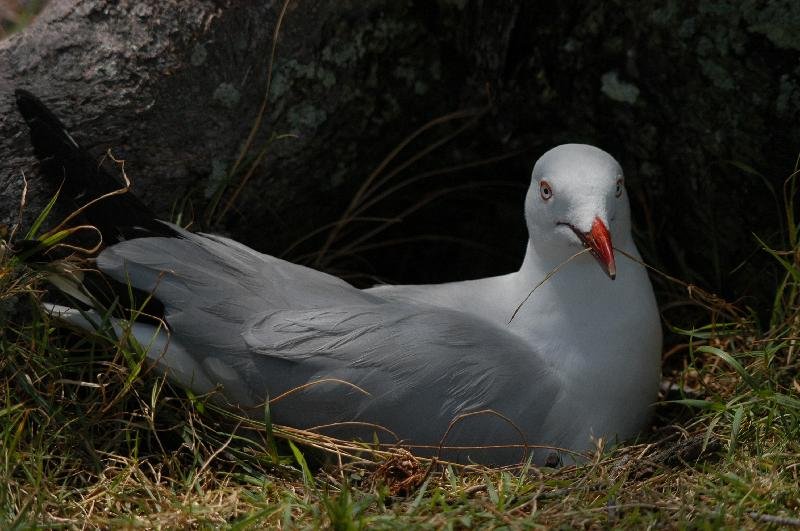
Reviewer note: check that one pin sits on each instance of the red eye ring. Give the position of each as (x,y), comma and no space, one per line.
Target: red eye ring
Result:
(545,190)
(620,186)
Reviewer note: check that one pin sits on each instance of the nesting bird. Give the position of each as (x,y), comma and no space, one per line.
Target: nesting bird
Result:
(435,365)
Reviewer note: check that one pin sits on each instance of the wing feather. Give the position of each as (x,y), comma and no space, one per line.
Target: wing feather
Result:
(262,327)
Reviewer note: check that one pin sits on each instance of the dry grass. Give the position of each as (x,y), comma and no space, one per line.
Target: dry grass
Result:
(157,458)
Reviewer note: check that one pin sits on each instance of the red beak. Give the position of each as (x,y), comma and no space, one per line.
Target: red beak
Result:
(598,241)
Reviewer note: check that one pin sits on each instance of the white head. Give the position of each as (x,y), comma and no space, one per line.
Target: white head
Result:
(577,199)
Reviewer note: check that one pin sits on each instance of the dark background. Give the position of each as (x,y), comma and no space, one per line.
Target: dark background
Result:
(697,100)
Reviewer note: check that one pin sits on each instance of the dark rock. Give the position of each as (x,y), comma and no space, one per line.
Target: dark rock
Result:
(698,100)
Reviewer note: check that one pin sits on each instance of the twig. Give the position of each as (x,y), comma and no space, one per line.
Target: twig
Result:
(368,187)
(772,519)
(474,489)
(463,416)
(706,299)
(22,201)
(262,110)
(355,423)
(547,277)
(125,189)
(208,462)
(317,382)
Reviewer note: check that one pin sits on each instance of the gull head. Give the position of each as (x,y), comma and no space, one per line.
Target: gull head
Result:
(577,200)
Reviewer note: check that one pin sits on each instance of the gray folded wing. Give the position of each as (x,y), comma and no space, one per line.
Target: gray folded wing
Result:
(261,327)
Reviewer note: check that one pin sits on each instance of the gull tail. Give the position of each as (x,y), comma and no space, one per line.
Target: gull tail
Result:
(83,180)
(117,217)
(168,356)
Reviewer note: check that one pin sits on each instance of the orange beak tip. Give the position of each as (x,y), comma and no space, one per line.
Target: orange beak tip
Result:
(599,240)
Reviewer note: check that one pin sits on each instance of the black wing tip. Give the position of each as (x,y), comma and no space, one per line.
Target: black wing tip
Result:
(22,96)
(29,106)
(63,160)
(49,135)
(32,108)
(25,97)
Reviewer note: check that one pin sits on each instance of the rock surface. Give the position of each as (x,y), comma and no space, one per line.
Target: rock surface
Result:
(699,101)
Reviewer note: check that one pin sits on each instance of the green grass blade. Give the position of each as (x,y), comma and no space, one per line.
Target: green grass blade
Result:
(791,268)
(735,427)
(37,224)
(272,447)
(308,477)
(700,404)
(7,410)
(733,362)
(787,401)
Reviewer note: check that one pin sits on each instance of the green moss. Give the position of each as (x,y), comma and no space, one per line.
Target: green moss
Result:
(788,100)
(618,90)
(458,4)
(227,95)
(339,55)
(717,74)
(687,29)
(665,14)
(217,177)
(354,59)
(436,69)
(782,35)
(723,29)
(365,39)
(306,116)
(199,55)
(777,20)
(288,72)
(405,73)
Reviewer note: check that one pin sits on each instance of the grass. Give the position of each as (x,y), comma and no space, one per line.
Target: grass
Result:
(90,438)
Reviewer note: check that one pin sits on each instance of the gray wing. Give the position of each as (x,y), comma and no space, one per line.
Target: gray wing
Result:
(423,367)
(202,278)
(262,327)
(222,269)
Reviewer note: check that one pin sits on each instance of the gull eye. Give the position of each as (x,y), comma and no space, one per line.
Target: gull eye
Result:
(545,190)
(618,192)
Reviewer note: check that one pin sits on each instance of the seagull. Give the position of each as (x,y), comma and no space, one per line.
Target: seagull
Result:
(545,361)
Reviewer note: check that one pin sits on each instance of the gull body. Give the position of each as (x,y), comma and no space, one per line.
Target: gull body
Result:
(602,336)
(442,365)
